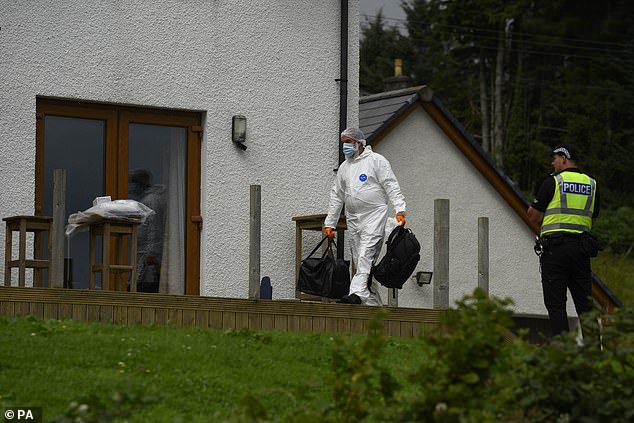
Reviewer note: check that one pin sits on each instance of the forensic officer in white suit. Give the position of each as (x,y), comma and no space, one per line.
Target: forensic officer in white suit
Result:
(364,183)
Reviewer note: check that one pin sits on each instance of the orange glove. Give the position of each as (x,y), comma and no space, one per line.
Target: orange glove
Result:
(400,219)
(329,232)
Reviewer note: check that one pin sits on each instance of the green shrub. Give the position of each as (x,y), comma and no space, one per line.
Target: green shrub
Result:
(591,382)
(474,370)
(467,377)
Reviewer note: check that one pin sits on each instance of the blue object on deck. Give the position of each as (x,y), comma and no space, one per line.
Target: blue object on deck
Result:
(266,290)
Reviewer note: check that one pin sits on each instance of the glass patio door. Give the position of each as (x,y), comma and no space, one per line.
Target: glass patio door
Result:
(152,156)
(157,159)
(76,145)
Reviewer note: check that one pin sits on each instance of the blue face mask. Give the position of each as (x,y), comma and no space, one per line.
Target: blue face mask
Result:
(350,149)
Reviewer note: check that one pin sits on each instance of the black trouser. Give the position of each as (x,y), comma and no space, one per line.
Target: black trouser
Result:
(565,265)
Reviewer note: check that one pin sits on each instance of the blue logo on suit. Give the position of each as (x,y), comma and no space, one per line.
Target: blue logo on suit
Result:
(363,177)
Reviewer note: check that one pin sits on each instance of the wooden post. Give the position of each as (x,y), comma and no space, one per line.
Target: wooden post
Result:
(56,240)
(22,254)
(392,297)
(298,255)
(441,254)
(255,224)
(483,254)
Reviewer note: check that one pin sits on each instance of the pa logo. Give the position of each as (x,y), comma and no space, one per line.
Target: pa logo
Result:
(363,177)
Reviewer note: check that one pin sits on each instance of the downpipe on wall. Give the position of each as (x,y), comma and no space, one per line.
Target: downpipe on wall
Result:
(343,97)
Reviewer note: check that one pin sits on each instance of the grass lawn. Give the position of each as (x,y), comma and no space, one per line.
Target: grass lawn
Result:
(167,374)
(617,272)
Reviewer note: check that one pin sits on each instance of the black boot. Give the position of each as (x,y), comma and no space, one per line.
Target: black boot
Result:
(350,299)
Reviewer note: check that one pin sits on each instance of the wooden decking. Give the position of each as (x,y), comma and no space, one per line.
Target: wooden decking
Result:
(220,313)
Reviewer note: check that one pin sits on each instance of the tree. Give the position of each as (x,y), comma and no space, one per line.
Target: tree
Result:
(380,45)
(523,76)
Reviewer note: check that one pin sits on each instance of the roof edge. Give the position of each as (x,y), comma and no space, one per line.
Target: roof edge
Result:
(419,89)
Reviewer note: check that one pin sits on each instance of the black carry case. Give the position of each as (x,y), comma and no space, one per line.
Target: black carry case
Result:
(400,259)
(326,276)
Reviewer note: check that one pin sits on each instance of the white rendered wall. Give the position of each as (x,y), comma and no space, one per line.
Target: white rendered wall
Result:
(429,166)
(273,61)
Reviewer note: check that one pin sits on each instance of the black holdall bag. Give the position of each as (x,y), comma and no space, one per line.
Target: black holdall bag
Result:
(400,259)
(326,276)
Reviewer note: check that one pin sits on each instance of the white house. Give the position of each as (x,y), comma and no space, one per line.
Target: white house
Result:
(435,158)
(103,89)
(110,91)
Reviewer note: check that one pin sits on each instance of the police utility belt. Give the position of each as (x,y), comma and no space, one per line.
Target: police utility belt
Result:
(589,243)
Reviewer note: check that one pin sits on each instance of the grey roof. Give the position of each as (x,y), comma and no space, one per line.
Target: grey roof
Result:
(379,110)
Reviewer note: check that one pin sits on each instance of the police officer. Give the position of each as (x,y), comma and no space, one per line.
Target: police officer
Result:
(566,205)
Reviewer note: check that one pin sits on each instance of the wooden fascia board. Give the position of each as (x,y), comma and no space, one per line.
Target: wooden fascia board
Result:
(602,298)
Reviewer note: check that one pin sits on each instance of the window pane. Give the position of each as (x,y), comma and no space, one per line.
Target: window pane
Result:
(78,146)
(157,158)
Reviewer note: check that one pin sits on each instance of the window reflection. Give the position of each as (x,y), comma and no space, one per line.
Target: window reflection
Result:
(156,177)
(78,146)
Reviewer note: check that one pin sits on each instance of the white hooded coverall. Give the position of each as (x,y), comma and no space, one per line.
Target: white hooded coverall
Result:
(364,183)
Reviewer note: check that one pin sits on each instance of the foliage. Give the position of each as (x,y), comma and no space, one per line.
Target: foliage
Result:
(471,370)
(380,46)
(617,272)
(99,408)
(586,383)
(522,76)
(462,373)
(467,378)
(360,383)
(475,371)
(616,228)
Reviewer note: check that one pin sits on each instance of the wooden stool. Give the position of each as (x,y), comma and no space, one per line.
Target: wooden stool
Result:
(24,224)
(313,222)
(118,229)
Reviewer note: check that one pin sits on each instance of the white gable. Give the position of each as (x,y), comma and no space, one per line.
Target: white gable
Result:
(429,166)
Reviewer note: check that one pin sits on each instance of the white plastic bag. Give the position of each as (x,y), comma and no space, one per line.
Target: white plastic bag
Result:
(121,210)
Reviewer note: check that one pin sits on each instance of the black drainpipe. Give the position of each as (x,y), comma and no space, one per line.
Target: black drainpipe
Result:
(343,76)
(343,98)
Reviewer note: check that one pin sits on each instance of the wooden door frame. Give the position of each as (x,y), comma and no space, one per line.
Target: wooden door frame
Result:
(190,121)
(49,107)
(117,119)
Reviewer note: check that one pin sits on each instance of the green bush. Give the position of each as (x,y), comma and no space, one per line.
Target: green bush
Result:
(474,370)
(584,383)
(467,375)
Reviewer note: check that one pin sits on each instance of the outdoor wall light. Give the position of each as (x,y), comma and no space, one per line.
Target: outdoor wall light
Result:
(423,278)
(239,131)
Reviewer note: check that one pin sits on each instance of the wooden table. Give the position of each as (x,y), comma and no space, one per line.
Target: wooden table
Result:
(313,222)
(107,228)
(23,224)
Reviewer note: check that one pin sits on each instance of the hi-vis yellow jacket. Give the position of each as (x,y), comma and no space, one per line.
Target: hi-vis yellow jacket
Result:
(572,205)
